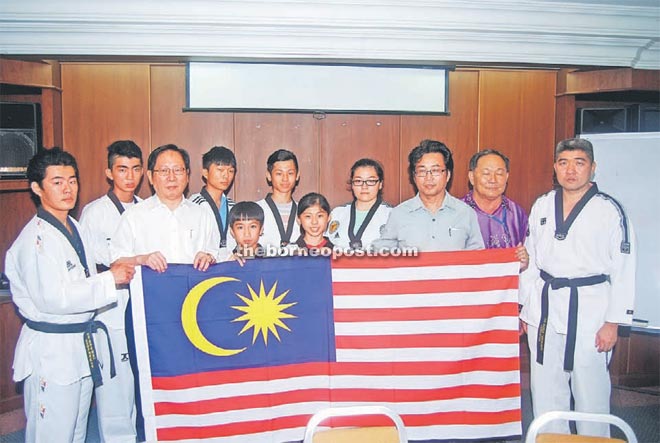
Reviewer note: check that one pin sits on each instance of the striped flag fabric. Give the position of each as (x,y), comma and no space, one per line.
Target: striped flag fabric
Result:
(248,354)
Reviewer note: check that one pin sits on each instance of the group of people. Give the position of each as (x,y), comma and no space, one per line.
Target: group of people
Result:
(69,279)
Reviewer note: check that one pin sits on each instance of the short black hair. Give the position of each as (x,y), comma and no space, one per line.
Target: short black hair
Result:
(36,168)
(429,147)
(281,155)
(246,210)
(153,157)
(575,144)
(218,155)
(368,163)
(311,199)
(123,148)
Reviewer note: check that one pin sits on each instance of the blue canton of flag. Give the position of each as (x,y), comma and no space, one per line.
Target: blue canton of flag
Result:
(269,312)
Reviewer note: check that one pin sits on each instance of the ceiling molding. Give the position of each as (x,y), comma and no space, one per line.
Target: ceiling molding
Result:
(550,32)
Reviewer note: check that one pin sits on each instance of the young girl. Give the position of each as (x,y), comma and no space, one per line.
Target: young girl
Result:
(313,215)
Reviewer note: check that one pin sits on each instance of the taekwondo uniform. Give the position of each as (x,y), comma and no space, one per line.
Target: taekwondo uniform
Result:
(340,220)
(58,294)
(276,235)
(581,274)
(115,400)
(227,241)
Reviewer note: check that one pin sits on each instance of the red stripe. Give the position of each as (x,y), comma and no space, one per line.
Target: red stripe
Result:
(295,421)
(426,313)
(425,286)
(452,258)
(427,340)
(337,395)
(217,378)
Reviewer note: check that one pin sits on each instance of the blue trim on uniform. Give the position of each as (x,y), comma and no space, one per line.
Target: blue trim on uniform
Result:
(625,243)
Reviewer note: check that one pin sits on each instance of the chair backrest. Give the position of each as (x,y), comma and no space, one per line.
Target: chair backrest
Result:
(538,423)
(351,411)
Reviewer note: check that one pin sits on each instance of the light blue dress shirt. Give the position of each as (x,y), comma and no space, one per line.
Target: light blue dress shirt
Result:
(411,225)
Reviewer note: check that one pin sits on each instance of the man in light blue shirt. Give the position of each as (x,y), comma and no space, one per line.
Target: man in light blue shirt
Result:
(433,220)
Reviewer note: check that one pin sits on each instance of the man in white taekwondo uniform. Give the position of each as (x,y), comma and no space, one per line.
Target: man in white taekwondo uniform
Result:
(57,293)
(218,172)
(579,286)
(115,400)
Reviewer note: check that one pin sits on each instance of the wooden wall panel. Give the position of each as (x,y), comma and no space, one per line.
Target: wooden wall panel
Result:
(458,130)
(347,138)
(102,103)
(16,208)
(10,327)
(565,118)
(19,72)
(196,132)
(517,117)
(257,135)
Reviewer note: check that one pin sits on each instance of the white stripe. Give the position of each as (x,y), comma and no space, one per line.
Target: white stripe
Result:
(425,273)
(467,325)
(142,354)
(292,409)
(361,301)
(230,390)
(427,354)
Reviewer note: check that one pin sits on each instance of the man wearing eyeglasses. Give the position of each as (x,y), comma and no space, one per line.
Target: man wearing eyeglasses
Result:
(433,220)
(164,228)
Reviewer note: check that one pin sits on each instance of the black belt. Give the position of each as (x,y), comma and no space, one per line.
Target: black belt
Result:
(559,283)
(86,329)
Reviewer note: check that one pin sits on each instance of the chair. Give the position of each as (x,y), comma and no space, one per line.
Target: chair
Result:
(373,434)
(533,435)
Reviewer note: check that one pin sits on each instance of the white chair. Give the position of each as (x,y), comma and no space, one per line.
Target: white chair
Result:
(373,434)
(533,435)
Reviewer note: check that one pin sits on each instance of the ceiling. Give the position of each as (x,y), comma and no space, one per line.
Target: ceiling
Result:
(588,33)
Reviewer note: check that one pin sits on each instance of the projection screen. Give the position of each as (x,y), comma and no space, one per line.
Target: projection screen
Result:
(315,87)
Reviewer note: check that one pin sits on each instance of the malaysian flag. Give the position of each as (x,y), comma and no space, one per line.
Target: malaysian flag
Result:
(248,354)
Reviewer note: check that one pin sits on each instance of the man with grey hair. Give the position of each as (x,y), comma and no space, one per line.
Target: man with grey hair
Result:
(503,222)
(581,248)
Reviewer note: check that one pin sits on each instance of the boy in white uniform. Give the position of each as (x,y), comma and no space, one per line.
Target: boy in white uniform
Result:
(218,172)
(281,227)
(579,286)
(115,400)
(58,293)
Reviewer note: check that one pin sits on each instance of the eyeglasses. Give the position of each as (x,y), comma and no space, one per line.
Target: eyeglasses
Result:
(435,172)
(369,182)
(164,172)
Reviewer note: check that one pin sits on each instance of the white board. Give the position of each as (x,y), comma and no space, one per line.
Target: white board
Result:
(628,169)
(308,88)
